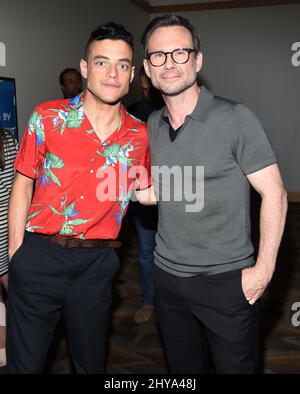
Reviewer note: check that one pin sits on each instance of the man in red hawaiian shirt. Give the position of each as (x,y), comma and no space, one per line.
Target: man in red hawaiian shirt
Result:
(62,235)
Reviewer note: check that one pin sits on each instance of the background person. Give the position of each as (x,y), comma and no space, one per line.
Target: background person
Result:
(8,152)
(70,82)
(145,217)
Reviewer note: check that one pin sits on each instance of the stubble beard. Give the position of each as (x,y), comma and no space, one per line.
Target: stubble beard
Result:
(176,90)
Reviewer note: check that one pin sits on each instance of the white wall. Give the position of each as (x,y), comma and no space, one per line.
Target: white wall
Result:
(247,58)
(43,37)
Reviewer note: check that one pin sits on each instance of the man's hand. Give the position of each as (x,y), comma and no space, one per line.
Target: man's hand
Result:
(254,282)
(146,196)
(268,183)
(19,203)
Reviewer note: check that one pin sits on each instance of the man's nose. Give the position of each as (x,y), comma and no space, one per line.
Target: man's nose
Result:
(112,71)
(169,61)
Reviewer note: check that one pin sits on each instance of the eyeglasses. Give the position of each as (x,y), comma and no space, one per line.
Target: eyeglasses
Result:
(179,56)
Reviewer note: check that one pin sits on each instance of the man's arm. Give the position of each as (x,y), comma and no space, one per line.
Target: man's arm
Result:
(19,203)
(146,196)
(268,183)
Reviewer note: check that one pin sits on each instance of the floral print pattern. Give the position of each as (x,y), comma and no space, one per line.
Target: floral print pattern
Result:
(62,152)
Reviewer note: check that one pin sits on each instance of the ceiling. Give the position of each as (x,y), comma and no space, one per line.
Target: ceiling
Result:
(161,6)
(168,2)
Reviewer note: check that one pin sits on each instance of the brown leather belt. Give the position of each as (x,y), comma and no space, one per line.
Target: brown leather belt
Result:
(69,242)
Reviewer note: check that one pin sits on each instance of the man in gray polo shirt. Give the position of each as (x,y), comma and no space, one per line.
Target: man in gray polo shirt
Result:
(206,279)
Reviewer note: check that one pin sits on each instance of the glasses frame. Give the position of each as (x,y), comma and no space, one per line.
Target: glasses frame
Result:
(189,51)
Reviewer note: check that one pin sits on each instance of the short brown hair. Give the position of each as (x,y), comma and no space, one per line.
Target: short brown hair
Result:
(166,21)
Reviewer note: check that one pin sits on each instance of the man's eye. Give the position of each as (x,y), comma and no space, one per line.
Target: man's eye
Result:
(159,55)
(100,63)
(124,66)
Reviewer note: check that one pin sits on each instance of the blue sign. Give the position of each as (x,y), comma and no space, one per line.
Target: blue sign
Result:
(8,106)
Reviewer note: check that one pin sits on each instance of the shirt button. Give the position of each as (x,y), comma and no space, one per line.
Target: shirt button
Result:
(93,159)
(82,197)
(91,171)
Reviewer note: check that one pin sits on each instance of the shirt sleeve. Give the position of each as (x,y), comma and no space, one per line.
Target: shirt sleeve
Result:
(31,153)
(251,146)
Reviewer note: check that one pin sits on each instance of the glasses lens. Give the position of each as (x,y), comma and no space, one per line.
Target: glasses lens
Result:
(180,56)
(157,58)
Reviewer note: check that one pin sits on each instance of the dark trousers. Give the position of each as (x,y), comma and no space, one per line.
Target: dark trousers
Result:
(146,238)
(46,279)
(206,317)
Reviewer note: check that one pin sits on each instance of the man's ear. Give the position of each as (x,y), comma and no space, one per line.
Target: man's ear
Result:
(132,73)
(199,61)
(83,68)
(146,67)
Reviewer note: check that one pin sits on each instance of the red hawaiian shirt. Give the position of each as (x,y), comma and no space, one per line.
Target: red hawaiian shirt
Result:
(83,185)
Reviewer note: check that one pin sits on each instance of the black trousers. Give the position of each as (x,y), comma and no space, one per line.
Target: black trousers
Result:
(207,317)
(46,279)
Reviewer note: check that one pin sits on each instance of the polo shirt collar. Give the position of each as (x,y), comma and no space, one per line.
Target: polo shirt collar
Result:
(201,110)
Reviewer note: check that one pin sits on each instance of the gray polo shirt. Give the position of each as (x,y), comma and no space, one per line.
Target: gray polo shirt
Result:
(218,145)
